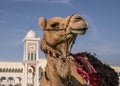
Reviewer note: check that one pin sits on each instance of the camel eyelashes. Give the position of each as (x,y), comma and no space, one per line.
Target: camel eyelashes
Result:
(54,24)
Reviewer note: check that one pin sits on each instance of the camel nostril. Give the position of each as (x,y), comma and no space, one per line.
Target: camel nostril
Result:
(85,26)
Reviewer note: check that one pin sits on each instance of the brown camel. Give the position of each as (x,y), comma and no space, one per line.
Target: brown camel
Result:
(58,34)
(58,37)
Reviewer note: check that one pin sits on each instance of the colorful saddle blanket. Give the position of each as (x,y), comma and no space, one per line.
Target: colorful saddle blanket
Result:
(87,71)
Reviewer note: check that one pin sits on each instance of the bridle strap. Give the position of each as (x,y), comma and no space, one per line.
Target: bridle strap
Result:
(69,82)
(53,29)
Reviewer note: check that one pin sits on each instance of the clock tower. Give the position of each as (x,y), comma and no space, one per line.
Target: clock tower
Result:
(31,56)
(31,46)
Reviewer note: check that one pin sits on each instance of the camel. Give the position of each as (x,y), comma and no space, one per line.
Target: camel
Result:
(59,35)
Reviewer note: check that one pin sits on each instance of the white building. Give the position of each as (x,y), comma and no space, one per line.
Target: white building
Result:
(28,72)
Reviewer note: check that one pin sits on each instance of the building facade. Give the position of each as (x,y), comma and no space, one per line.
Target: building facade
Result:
(28,72)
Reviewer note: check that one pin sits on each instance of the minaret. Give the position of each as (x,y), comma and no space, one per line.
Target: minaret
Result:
(31,55)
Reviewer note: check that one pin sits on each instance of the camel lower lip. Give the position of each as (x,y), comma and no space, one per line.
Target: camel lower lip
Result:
(77,31)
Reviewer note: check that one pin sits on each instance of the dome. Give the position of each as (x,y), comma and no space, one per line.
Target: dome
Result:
(31,34)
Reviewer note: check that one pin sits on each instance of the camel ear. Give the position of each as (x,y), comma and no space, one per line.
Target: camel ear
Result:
(42,22)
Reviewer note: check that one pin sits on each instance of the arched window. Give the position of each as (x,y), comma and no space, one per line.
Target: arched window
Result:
(7,70)
(18,81)
(28,56)
(35,56)
(0,69)
(12,70)
(15,70)
(40,72)
(3,70)
(11,79)
(21,70)
(3,78)
(32,56)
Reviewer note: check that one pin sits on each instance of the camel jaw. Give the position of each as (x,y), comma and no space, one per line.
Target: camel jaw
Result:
(78,31)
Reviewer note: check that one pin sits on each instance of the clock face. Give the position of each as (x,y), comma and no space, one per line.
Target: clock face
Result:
(32,47)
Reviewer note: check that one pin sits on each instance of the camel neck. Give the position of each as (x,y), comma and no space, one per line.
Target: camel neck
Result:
(60,49)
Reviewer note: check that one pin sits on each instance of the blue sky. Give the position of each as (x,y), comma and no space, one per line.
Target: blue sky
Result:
(102,37)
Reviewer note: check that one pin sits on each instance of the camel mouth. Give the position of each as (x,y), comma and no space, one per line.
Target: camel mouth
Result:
(78,31)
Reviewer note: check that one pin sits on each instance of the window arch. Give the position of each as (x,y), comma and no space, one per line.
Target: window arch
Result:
(21,70)
(31,56)
(35,56)
(18,70)
(3,70)
(3,78)
(7,70)
(10,69)
(15,70)
(10,78)
(40,72)
(0,69)
(28,56)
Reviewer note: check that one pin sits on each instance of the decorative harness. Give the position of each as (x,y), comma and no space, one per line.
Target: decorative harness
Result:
(86,68)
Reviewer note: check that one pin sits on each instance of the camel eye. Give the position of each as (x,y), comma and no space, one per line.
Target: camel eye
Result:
(78,18)
(54,24)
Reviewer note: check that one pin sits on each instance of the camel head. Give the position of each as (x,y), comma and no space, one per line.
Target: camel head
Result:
(57,30)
